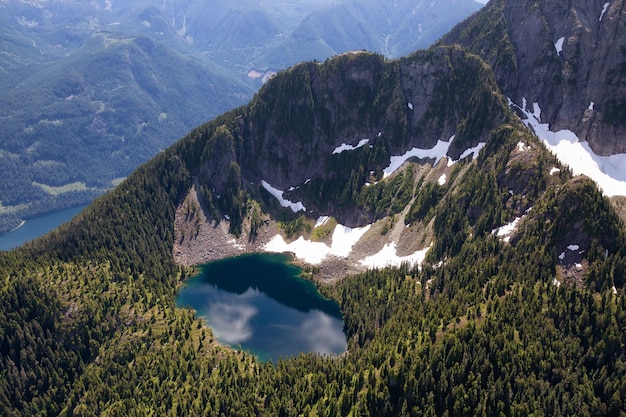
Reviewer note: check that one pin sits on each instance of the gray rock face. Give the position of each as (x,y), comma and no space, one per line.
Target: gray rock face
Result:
(413,102)
(568,56)
(293,133)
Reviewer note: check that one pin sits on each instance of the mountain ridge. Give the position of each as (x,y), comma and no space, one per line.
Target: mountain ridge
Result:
(182,63)
(567,57)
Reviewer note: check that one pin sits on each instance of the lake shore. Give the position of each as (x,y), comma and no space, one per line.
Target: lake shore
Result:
(18,226)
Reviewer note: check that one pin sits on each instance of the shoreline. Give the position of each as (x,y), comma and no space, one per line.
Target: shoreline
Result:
(16,227)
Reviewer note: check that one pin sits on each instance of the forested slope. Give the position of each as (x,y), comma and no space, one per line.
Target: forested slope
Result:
(486,326)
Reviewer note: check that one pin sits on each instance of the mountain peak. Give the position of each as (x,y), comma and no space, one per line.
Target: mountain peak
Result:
(567,56)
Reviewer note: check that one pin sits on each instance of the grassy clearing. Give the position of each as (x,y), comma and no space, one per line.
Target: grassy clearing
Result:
(13,209)
(75,186)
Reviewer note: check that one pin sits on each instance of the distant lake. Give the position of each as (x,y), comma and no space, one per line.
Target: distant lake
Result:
(38,226)
(259,302)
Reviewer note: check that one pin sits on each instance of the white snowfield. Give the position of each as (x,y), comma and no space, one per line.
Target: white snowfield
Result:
(295,207)
(343,239)
(505,232)
(388,256)
(559,45)
(440,150)
(321,221)
(436,152)
(475,151)
(609,172)
(604,9)
(345,147)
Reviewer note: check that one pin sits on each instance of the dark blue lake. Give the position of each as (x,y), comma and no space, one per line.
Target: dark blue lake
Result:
(38,226)
(259,302)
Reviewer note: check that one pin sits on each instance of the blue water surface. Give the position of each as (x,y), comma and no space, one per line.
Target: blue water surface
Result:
(259,302)
(38,226)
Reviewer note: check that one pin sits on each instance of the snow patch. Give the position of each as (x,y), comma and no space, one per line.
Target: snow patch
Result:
(410,105)
(295,207)
(604,9)
(311,252)
(614,290)
(559,45)
(556,282)
(388,256)
(591,105)
(471,151)
(609,172)
(562,256)
(522,147)
(343,239)
(442,180)
(321,221)
(505,232)
(346,147)
(554,170)
(437,152)
(573,247)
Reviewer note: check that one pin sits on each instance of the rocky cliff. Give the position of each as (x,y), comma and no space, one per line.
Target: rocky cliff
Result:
(418,154)
(568,56)
(293,133)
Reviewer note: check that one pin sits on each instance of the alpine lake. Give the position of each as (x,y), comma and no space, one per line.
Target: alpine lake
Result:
(260,303)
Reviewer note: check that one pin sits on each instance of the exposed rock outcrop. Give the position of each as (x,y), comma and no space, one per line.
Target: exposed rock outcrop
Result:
(569,56)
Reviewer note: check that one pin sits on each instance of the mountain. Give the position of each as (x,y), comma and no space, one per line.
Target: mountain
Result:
(567,57)
(504,293)
(92,89)
(563,67)
(269,36)
(84,102)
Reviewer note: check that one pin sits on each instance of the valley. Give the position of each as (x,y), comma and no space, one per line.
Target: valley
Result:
(92,90)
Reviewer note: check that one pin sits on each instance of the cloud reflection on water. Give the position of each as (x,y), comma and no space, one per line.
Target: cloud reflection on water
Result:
(318,332)
(264,309)
(323,334)
(230,316)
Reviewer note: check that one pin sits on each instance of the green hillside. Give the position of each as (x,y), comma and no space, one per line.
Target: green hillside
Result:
(76,120)
(89,90)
